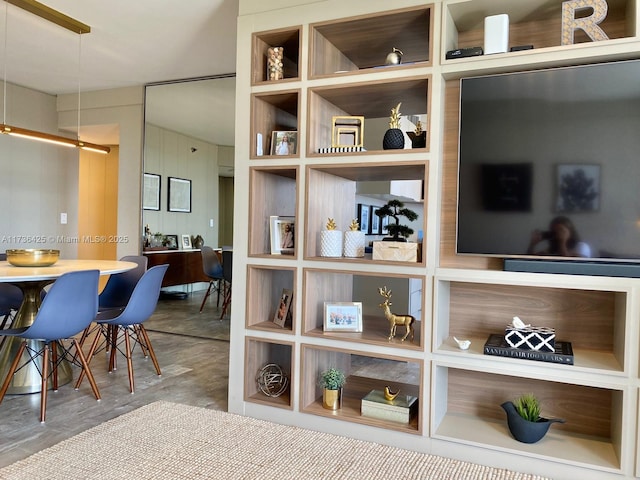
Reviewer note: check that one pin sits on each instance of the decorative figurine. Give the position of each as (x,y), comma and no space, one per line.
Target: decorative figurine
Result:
(389,394)
(331,240)
(393,319)
(354,240)
(394,138)
(394,58)
(463,344)
(275,67)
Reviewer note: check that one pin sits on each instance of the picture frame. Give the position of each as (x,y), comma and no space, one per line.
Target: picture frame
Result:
(342,317)
(171,242)
(283,309)
(507,187)
(284,142)
(186,242)
(375,223)
(363,217)
(179,195)
(151,191)
(578,188)
(282,234)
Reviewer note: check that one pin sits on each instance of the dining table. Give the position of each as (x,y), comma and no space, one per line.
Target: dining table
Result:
(32,281)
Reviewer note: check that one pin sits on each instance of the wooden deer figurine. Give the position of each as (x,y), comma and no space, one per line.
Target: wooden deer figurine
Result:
(393,319)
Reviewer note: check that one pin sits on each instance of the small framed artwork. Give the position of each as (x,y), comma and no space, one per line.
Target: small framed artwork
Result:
(284,142)
(151,192)
(186,242)
(283,310)
(171,242)
(578,188)
(375,222)
(282,230)
(384,222)
(342,317)
(363,217)
(179,196)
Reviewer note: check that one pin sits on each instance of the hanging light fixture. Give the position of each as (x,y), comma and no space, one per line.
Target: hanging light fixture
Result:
(75,26)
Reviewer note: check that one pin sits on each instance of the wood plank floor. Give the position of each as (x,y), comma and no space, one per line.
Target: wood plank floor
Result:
(194,372)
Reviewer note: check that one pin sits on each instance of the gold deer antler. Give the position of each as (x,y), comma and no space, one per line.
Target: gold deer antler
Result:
(384,292)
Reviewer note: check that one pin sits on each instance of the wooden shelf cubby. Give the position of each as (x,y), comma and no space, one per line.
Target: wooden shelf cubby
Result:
(373,100)
(273,191)
(361,43)
(331,193)
(466,409)
(266,284)
(270,112)
(364,373)
(592,317)
(260,352)
(287,38)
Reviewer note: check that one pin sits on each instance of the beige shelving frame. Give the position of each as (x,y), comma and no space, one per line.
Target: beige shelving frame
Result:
(335,54)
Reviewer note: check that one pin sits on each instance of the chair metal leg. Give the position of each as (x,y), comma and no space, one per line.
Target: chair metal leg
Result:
(12,370)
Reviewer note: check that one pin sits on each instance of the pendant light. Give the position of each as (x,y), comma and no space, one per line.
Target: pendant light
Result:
(75,26)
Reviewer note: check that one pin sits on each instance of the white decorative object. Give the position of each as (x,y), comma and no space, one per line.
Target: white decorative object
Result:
(331,243)
(463,344)
(354,244)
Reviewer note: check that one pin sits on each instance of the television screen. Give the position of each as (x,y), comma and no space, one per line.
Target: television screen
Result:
(549,164)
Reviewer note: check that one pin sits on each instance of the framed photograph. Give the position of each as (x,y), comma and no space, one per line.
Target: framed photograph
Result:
(186,242)
(363,217)
(284,143)
(578,188)
(282,231)
(283,310)
(384,222)
(343,317)
(375,222)
(171,242)
(179,196)
(151,192)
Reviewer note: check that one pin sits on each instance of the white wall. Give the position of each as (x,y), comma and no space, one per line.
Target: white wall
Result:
(38,181)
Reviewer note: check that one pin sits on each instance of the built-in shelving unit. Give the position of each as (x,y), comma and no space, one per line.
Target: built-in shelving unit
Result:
(335,66)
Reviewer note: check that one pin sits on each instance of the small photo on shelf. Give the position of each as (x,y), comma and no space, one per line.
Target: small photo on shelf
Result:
(284,142)
(342,317)
(186,242)
(283,310)
(171,242)
(282,230)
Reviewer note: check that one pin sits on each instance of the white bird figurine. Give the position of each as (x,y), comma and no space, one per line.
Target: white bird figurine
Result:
(463,344)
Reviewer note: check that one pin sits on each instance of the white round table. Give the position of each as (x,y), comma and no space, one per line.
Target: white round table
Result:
(31,280)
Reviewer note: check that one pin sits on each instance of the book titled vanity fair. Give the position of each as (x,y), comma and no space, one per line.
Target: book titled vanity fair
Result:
(497,345)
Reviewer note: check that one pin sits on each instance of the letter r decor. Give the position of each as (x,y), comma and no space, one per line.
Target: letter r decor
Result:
(588,24)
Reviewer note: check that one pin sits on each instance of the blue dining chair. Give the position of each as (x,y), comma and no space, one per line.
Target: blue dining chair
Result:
(213,269)
(68,308)
(10,300)
(227,270)
(124,325)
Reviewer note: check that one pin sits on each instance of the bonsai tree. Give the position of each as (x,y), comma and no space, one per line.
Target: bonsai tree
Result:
(528,407)
(396,209)
(332,379)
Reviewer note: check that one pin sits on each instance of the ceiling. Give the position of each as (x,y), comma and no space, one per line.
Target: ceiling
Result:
(131,43)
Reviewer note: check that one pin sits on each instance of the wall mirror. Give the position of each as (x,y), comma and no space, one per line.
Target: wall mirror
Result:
(189,140)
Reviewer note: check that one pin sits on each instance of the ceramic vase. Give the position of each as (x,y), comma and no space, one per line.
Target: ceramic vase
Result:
(354,243)
(331,399)
(524,430)
(331,243)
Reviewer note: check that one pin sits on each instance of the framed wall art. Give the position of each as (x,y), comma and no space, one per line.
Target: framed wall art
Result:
(578,188)
(363,217)
(342,317)
(179,196)
(151,192)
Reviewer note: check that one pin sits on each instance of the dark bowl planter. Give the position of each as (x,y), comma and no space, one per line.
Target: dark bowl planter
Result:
(526,431)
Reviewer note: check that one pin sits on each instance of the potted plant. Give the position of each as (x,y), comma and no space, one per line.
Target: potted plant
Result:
(524,420)
(418,137)
(332,381)
(396,209)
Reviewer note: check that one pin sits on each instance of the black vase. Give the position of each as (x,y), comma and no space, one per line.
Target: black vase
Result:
(393,139)
(523,430)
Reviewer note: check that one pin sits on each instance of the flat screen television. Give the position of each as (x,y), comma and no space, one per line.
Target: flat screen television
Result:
(547,146)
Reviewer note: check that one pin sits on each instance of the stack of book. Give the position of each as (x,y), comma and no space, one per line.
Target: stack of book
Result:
(497,345)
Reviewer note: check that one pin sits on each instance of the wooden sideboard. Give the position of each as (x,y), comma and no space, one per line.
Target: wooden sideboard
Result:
(185,266)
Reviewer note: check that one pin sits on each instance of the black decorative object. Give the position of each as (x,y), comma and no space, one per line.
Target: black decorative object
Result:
(394,137)
(526,431)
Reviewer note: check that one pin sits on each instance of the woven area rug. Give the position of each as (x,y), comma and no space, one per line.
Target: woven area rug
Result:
(170,441)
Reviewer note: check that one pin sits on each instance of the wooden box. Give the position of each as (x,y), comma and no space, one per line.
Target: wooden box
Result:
(395,251)
(400,409)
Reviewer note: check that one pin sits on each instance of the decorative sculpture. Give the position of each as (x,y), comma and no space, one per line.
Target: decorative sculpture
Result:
(393,319)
